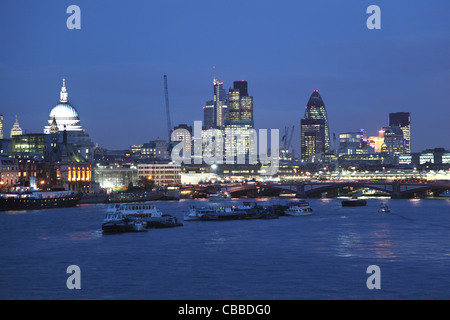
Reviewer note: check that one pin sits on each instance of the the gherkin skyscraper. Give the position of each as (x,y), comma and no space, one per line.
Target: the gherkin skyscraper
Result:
(315,109)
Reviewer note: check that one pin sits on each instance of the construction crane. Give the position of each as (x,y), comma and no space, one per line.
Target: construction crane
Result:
(169,123)
(290,138)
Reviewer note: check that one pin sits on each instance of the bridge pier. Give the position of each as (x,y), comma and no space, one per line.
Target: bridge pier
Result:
(300,192)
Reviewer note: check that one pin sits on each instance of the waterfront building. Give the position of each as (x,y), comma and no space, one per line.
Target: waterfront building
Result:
(313,141)
(316,110)
(402,120)
(28,168)
(16,130)
(115,177)
(64,117)
(161,174)
(9,173)
(64,167)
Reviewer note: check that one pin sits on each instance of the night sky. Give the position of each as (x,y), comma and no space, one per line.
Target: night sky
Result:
(115,64)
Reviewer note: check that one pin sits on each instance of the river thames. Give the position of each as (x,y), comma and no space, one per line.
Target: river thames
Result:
(322,256)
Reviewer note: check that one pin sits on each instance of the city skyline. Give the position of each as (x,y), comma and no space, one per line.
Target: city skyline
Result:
(116,81)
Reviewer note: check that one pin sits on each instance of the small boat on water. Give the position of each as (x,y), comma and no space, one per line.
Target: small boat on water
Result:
(221,196)
(384,209)
(31,199)
(297,209)
(354,202)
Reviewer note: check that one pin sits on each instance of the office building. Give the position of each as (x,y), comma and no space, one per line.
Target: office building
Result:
(402,120)
(313,139)
(315,110)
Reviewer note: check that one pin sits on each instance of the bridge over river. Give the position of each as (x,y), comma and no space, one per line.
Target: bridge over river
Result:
(395,189)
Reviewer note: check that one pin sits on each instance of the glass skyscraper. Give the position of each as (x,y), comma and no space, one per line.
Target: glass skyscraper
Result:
(315,109)
(402,120)
(312,138)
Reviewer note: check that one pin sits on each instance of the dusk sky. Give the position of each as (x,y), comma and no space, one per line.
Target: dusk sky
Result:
(115,64)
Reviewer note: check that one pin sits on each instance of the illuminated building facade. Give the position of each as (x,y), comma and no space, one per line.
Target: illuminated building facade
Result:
(215,113)
(9,173)
(64,117)
(376,142)
(16,130)
(312,138)
(33,145)
(64,167)
(238,128)
(161,174)
(315,110)
(183,132)
(394,143)
(115,177)
(402,120)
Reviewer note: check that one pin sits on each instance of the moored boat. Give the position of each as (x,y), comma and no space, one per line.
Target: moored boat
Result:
(297,209)
(36,199)
(136,217)
(354,202)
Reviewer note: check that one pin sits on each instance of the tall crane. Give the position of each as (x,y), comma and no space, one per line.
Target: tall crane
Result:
(169,123)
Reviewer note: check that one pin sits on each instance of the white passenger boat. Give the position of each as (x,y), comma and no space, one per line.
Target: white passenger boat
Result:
(301,208)
(123,217)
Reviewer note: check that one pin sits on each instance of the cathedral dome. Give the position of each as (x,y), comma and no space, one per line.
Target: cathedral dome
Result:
(64,114)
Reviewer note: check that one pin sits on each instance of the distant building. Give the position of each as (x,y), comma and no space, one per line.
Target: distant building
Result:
(30,145)
(16,130)
(9,173)
(161,174)
(64,117)
(349,142)
(402,120)
(64,167)
(376,142)
(313,138)
(215,113)
(237,128)
(394,143)
(156,150)
(315,110)
(183,132)
(115,177)
(240,104)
